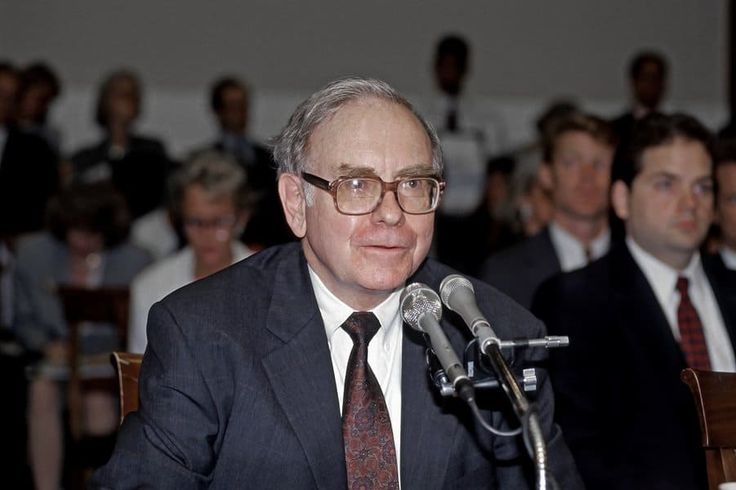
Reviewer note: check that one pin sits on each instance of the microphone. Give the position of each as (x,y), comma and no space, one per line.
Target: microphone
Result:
(421,309)
(458,295)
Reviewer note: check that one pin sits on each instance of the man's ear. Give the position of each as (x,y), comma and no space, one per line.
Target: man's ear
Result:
(620,199)
(293,202)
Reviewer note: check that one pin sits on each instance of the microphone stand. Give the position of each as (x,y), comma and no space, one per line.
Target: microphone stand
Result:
(527,412)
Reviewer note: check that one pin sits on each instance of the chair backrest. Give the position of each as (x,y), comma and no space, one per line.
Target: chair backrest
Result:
(128,366)
(86,374)
(715,400)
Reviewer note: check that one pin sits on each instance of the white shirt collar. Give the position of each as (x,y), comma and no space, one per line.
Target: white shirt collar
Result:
(335,312)
(729,257)
(663,277)
(571,252)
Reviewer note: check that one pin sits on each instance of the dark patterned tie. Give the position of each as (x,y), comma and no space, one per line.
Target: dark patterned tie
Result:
(692,340)
(370,455)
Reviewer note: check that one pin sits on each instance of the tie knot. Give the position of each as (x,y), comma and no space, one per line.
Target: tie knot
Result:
(361,326)
(682,285)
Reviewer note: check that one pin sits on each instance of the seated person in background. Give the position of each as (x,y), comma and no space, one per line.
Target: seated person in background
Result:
(471,239)
(39,87)
(640,315)
(229,101)
(84,246)
(210,202)
(137,166)
(725,173)
(28,167)
(577,162)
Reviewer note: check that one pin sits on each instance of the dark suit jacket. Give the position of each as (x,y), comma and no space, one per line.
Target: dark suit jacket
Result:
(627,417)
(28,178)
(237,391)
(520,270)
(139,175)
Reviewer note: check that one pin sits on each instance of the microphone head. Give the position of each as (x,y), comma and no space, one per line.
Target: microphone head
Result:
(452,283)
(418,299)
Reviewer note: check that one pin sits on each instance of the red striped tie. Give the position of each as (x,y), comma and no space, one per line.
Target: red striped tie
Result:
(370,454)
(692,339)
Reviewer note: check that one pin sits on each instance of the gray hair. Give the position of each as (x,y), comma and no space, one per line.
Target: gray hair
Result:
(217,173)
(291,146)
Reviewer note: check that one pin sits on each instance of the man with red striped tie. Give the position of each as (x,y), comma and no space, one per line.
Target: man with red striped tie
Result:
(652,307)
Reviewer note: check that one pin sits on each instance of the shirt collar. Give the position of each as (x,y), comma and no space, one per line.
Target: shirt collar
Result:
(729,257)
(335,312)
(661,276)
(571,251)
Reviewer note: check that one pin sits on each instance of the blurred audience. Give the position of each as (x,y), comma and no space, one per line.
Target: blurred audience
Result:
(534,206)
(136,165)
(648,72)
(229,101)
(212,205)
(636,318)
(28,166)
(578,153)
(725,174)
(39,87)
(468,240)
(85,245)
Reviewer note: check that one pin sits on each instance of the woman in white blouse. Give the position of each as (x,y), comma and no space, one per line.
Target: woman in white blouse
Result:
(210,204)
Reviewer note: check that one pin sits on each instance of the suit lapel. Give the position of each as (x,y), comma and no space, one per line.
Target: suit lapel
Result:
(642,320)
(301,375)
(723,283)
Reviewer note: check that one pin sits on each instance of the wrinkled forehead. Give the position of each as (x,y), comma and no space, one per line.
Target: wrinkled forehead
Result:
(372,134)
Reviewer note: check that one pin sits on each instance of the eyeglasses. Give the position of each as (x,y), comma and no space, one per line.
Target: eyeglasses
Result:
(362,195)
(221,223)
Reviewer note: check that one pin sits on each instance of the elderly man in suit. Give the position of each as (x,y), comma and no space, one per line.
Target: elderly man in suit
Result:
(578,152)
(249,377)
(653,306)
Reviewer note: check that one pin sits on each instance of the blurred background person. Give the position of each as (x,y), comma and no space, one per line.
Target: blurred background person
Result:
(229,102)
(725,216)
(39,88)
(28,166)
(469,240)
(648,73)
(85,245)
(211,203)
(578,155)
(136,165)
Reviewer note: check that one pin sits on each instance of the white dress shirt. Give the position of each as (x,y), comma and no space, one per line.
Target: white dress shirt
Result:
(729,257)
(384,350)
(157,281)
(662,278)
(571,252)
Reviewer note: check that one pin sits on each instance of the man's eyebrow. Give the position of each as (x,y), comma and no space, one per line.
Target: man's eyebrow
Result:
(347,170)
(417,171)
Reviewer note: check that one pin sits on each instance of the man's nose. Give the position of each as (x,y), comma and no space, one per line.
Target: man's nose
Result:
(388,210)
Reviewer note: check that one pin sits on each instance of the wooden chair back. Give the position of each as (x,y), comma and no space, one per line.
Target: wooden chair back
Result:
(128,367)
(715,400)
(104,305)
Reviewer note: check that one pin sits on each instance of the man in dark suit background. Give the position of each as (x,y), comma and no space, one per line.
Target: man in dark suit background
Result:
(242,379)
(648,72)
(640,315)
(576,165)
(28,167)
(230,104)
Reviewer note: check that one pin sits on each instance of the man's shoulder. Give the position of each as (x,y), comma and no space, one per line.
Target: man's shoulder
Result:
(245,280)
(535,248)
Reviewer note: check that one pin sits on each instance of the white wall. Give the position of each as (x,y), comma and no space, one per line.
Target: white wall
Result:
(525,53)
